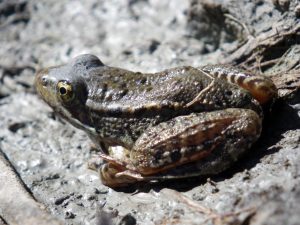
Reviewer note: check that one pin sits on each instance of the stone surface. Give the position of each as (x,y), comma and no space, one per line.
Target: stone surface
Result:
(51,157)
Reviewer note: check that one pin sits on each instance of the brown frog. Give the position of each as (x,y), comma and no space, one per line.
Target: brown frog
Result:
(180,122)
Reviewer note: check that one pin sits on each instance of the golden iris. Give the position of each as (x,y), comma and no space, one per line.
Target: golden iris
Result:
(65,91)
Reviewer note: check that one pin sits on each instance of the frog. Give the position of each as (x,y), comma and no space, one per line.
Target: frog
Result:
(150,127)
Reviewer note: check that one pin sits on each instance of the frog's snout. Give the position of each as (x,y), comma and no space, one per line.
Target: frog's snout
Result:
(44,82)
(41,78)
(44,87)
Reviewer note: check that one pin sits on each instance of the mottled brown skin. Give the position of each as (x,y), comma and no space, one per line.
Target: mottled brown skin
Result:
(180,122)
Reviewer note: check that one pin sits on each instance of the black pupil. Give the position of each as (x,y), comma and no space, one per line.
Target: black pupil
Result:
(62,90)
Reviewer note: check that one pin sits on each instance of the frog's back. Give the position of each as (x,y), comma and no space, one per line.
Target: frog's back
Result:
(114,91)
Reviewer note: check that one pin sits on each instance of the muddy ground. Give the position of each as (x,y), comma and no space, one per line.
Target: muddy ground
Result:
(50,156)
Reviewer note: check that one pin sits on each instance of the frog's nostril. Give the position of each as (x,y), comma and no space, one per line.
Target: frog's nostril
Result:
(44,81)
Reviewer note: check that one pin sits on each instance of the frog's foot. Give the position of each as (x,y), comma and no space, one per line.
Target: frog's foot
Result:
(96,161)
(117,173)
(261,88)
(114,175)
(122,165)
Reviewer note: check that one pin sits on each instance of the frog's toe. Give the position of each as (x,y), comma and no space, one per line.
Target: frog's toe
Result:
(111,176)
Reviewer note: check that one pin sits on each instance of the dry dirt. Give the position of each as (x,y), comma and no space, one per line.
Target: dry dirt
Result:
(51,156)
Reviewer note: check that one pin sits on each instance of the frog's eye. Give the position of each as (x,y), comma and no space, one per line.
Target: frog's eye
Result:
(65,91)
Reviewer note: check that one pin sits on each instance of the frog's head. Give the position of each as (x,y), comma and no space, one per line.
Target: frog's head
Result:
(65,90)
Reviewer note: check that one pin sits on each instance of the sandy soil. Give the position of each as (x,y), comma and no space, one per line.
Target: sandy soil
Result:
(51,156)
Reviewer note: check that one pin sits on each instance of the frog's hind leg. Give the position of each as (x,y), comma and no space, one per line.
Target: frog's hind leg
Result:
(261,87)
(196,137)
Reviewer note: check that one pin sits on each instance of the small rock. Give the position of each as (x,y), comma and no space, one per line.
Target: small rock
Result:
(297,11)
(16,126)
(69,215)
(127,220)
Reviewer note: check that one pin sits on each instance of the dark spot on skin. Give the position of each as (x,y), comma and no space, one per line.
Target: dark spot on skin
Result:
(143,80)
(142,110)
(208,144)
(188,68)
(104,87)
(228,93)
(231,78)
(122,85)
(240,80)
(290,82)
(218,102)
(158,154)
(123,92)
(116,112)
(149,88)
(175,155)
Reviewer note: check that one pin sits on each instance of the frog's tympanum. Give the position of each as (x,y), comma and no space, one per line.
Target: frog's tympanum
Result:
(180,122)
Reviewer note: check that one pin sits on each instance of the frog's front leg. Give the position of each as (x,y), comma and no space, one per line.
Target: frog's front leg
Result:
(186,139)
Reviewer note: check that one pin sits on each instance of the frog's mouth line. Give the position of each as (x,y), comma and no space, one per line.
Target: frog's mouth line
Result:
(65,114)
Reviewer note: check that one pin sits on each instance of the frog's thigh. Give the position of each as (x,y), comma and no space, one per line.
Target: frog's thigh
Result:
(193,137)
